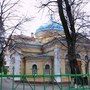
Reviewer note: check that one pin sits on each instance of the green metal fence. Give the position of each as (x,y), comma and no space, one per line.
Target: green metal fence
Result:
(7,82)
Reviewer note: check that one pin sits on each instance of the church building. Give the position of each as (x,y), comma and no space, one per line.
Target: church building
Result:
(45,53)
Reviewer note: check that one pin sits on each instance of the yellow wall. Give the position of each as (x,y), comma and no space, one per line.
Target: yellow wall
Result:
(32,50)
(40,64)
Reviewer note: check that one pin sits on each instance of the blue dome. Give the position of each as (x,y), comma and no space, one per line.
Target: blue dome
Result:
(50,27)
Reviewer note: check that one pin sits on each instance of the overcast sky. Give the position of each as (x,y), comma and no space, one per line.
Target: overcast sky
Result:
(29,8)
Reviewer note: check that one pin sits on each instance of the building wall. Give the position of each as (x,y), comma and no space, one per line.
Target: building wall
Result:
(48,49)
(14,67)
(32,50)
(40,68)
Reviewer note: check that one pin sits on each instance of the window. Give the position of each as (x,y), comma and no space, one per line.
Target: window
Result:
(86,57)
(12,60)
(47,69)
(67,68)
(78,56)
(66,57)
(34,69)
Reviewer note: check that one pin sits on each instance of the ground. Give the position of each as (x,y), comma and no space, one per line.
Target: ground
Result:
(7,84)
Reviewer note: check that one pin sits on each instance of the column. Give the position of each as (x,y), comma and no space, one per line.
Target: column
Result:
(17,66)
(57,64)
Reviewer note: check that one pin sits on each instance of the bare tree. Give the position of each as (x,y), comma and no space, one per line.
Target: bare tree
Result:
(9,22)
(73,19)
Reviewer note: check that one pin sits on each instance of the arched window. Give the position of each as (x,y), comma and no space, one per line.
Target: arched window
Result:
(78,56)
(34,69)
(86,57)
(66,57)
(67,67)
(47,69)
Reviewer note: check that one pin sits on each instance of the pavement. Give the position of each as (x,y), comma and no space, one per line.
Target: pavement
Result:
(8,84)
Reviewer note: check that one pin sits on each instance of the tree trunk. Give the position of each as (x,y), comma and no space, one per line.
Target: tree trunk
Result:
(72,59)
(74,66)
(1,61)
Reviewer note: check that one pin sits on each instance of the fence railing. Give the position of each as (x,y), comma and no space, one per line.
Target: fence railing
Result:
(45,82)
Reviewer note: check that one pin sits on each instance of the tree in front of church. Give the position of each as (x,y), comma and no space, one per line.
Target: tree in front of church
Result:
(73,19)
(10,21)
